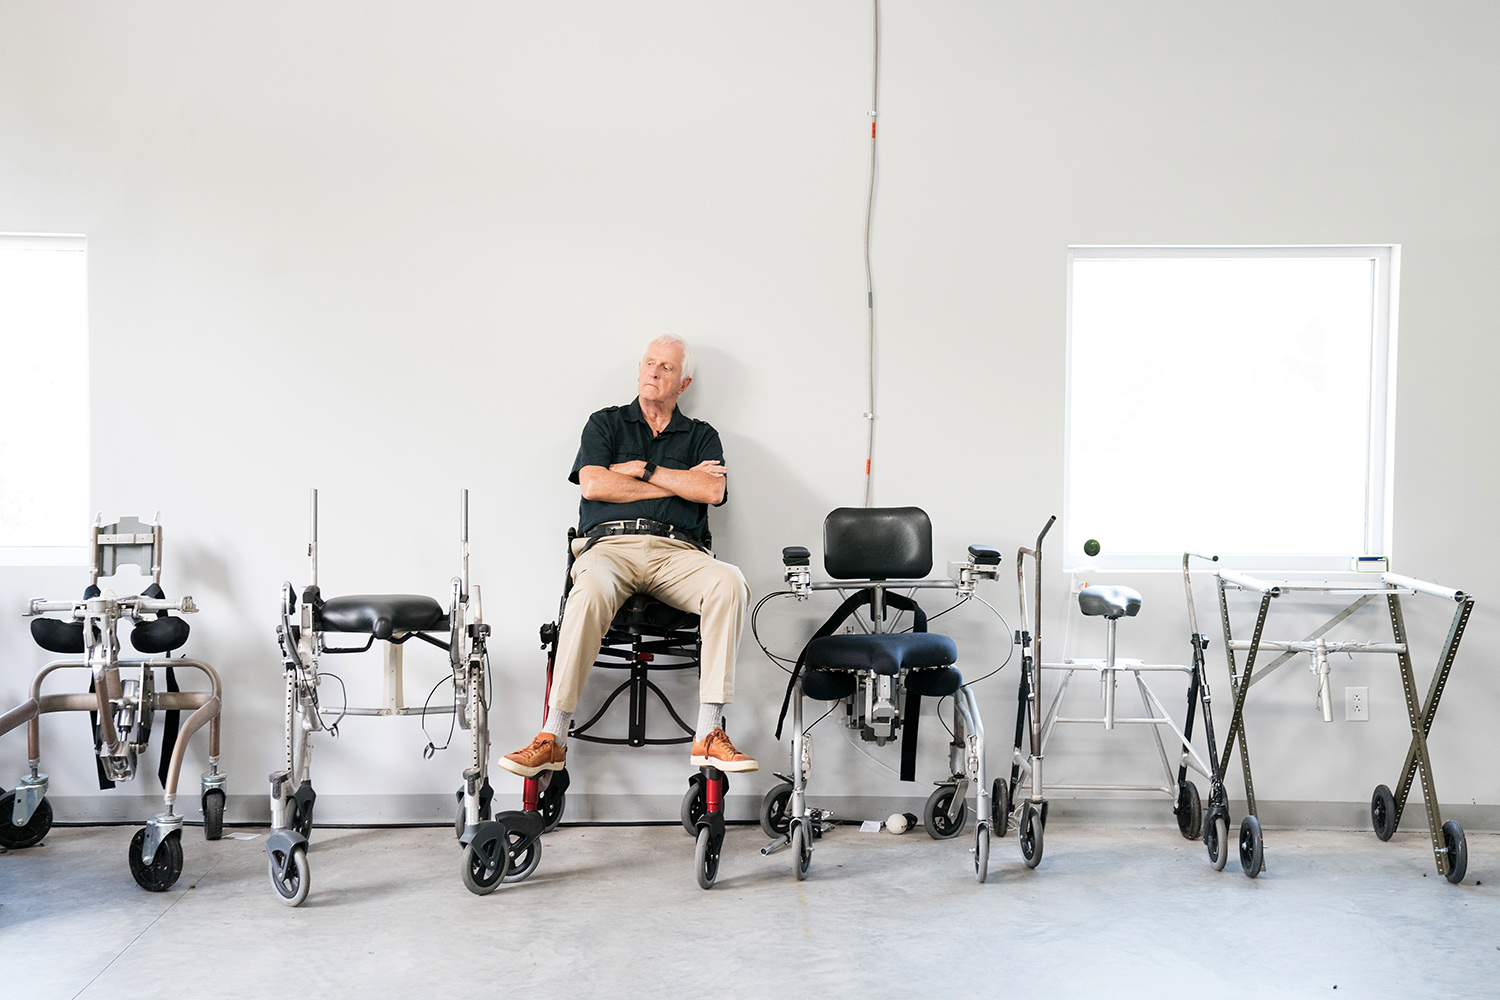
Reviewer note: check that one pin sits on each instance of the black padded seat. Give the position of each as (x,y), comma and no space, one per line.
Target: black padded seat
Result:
(159,635)
(382,615)
(938,682)
(886,653)
(828,685)
(57,636)
(1109,602)
(644,614)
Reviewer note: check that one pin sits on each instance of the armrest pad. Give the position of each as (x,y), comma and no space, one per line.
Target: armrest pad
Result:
(795,555)
(984,555)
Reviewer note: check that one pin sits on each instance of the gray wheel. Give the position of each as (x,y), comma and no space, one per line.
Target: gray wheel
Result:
(774,817)
(1383,812)
(1189,811)
(981,852)
(28,835)
(1216,839)
(292,887)
(706,857)
(801,850)
(1252,848)
(213,814)
(554,800)
(166,864)
(1031,834)
(1458,851)
(935,814)
(486,862)
(693,807)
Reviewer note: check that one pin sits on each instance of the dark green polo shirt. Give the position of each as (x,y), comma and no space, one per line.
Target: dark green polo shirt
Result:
(621,434)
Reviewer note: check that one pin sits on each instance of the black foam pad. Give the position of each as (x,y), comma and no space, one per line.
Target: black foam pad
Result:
(886,653)
(57,637)
(159,635)
(877,543)
(382,615)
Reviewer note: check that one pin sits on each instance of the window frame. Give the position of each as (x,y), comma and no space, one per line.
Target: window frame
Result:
(1380,434)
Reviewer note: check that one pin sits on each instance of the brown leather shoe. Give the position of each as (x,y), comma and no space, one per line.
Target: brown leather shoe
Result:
(541,754)
(715,750)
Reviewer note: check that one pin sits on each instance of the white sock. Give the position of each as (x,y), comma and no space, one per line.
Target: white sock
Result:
(710,717)
(557,724)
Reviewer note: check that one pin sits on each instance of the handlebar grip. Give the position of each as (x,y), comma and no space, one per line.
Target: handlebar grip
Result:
(795,555)
(984,555)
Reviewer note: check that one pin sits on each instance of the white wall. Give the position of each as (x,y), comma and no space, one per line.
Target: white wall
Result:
(390,250)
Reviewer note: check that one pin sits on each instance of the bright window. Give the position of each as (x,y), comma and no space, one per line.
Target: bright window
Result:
(1230,400)
(44,399)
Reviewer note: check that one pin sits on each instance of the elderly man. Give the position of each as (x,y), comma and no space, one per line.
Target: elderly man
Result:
(648,473)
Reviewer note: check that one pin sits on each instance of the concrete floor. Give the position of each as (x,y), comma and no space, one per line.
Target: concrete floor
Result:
(615,912)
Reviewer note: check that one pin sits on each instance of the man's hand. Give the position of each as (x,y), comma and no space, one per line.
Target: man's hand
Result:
(634,469)
(712,468)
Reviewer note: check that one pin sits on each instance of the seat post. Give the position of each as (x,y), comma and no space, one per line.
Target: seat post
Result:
(1109,672)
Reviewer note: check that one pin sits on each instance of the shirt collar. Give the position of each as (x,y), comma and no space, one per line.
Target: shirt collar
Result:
(680,421)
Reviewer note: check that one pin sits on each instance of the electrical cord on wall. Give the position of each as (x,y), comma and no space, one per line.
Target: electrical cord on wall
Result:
(869,277)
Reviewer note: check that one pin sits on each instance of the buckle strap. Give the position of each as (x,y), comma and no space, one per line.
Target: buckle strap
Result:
(640,526)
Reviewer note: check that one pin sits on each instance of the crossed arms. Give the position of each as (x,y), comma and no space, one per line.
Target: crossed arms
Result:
(621,482)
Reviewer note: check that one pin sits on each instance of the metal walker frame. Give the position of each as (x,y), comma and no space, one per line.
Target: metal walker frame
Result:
(122,708)
(490,856)
(1449,846)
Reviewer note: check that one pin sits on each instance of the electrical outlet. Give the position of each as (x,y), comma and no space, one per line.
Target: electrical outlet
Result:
(1356,704)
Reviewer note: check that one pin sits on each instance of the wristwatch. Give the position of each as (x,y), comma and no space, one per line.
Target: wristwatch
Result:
(648,472)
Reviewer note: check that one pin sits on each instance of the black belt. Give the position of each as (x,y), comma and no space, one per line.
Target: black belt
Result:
(641,526)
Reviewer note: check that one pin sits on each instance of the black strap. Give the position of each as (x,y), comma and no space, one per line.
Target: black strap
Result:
(169,732)
(844,612)
(104,782)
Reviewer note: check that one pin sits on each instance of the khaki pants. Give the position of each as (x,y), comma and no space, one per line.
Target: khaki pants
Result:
(673,572)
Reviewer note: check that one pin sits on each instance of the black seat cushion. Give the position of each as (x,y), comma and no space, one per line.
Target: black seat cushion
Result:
(644,614)
(938,682)
(828,685)
(57,637)
(1109,602)
(887,653)
(159,635)
(382,615)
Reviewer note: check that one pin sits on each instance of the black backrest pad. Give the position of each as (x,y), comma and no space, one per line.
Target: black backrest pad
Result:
(877,543)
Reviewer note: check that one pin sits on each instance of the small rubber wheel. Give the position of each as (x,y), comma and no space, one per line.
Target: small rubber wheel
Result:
(1000,807)
(1031,835)
(693,806)
(775,819)
(1383,812)
(1252,849)
(981,852)
(935,814)
(165,867)
(523,861)
(1189,811)
(1458,851)
(301,819)
(801,850)
(706,857)
(552,803)
(292,887)
(1216,839)
(213,814)
(486,862)
(28,835)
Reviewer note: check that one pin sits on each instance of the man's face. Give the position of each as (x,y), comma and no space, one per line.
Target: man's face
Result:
(660,379)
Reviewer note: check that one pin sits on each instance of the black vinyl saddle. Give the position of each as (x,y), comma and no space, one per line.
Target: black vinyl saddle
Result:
(1109,602)
(150,636)
(381,615)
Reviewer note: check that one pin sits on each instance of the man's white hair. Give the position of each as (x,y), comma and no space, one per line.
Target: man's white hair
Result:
(672,338)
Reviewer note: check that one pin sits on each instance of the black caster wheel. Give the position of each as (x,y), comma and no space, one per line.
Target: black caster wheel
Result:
(291,887)
(935,814)
(1383,812)
(554,799)
(775,820)
(706,857)
(801,850)
(523,860)
(486,861)
(1000,807)
(1189,811)
(165,867)
(29,835)
(1458,851)
(693,805)
(213,814)
(1216,839)
(1252,849)
(1031,830)
(981,852)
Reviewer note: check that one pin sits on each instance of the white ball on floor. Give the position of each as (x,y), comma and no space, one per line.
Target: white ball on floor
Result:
(899,822)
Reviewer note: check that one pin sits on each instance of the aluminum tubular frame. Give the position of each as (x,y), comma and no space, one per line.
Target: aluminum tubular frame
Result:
(1449,847)
(1031,813)
(966,751)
